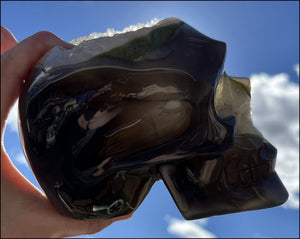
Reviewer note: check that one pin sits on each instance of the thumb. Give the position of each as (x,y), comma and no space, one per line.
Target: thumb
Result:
(76,227)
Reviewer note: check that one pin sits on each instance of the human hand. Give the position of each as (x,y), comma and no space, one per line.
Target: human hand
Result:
(26,211)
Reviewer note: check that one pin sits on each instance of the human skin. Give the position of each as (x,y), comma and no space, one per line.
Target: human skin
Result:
(25,210)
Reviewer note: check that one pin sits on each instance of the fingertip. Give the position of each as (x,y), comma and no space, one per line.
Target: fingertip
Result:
(8,40)
(51,40)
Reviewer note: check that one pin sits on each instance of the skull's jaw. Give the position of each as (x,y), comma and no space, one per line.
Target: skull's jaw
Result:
(241,179)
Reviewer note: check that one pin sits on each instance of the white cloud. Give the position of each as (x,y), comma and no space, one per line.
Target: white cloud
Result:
(296,68)
(275,106)
(20,159)
(12,120)
(189,229)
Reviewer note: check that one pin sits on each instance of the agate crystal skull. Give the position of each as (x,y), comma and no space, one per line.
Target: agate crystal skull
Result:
(102,122)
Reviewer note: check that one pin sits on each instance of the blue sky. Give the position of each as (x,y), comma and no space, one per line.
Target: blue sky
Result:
(262,44)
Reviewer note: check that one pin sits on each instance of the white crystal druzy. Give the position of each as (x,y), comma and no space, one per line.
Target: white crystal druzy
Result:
(111,32)
(94,44)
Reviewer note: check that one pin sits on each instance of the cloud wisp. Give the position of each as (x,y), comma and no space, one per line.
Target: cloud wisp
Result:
(12,119)
(189,229)
(20,159)
(296,69)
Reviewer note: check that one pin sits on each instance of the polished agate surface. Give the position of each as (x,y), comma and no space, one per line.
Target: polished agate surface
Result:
(101,123)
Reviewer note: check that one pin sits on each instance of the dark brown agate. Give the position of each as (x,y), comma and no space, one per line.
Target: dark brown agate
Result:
(100,132)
